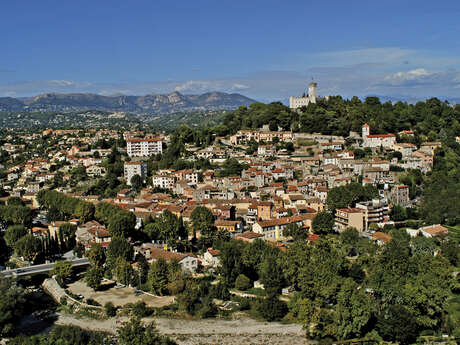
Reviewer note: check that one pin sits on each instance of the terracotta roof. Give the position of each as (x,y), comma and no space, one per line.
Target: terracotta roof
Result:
(381,236)
(435,230)
(136,140)
(249,235)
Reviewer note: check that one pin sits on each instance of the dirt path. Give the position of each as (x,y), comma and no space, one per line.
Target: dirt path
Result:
(212,331)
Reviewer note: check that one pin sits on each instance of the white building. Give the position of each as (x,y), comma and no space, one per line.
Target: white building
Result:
(377,140)
(164,181)
(134,168)
(298,102)
(143,147)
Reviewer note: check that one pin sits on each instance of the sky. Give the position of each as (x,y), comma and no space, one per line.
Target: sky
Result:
(267,50)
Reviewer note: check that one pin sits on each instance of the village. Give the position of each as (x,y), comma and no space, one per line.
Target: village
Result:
(276,187)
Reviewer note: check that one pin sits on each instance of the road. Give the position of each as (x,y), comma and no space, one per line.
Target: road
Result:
(38,269)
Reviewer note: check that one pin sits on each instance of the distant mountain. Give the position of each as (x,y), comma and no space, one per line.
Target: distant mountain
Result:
(148,104)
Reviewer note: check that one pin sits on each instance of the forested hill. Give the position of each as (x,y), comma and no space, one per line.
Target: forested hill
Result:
(339,116)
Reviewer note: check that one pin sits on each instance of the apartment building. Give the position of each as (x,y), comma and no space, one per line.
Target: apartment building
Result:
(349,218)
(143,147)
(375,211)
(134,168)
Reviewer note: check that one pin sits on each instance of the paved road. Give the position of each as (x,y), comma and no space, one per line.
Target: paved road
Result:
(37,269)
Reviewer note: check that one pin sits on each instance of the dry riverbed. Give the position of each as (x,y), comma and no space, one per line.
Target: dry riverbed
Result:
(211,331)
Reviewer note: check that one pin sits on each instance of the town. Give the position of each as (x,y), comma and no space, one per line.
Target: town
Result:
(141,222)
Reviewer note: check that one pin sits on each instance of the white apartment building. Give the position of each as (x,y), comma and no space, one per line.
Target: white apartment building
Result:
(164,181)
(143,147)
(134,168)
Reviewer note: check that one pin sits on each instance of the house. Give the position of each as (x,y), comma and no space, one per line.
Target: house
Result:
(400,195)
(212,258)
(273,229)
(232,226)
(436,230)
(188,262)
(377,140)
(406,149)
(164,181)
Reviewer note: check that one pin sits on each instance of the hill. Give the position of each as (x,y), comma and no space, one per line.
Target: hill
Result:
(149,104)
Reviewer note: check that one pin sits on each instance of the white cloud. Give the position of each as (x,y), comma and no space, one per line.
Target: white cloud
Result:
(193,86)
(415,74)
(237,86)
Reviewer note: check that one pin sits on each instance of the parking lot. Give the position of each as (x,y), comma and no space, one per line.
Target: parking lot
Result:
(119,296)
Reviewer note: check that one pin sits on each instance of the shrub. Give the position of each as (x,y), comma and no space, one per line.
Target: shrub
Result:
(220,291)
(273,309)
(110,309)
(242,282)
(63,300)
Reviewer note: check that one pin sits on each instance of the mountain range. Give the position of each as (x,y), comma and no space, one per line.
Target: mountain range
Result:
(148,104)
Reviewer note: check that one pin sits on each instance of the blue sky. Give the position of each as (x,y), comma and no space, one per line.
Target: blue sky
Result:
(267,50)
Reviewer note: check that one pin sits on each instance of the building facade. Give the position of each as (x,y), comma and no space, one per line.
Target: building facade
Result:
(143,147)
(134,168)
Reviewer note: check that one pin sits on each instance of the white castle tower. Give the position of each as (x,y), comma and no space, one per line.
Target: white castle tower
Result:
(297,102)
(312,93)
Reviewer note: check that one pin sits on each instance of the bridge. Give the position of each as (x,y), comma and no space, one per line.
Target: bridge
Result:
(38,269)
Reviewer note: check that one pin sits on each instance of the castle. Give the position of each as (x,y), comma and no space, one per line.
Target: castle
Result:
(297,102)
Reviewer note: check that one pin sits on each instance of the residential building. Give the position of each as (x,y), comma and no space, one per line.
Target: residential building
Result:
(134,168)
(349,218)
(143,147)
(375,211)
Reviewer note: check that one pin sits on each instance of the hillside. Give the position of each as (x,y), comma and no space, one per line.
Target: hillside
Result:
(148,104)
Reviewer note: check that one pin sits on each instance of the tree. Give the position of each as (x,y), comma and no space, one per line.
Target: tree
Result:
(122,224)
(135,332)
(28,247)
(323,223)
(13,234)
(12,303)
(85,211)
(271,276)
(295,231)
(398,213)
(136,182)
(123,271)
(96,255)
(119,248)
(203,222)
(354,311)
(242,282)
(94,277)
(158,276)
(231,261)
(397,324)
(62,270)
(5,251)
(272,308)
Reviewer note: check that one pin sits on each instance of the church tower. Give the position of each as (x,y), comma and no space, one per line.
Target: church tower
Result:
(365,131)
